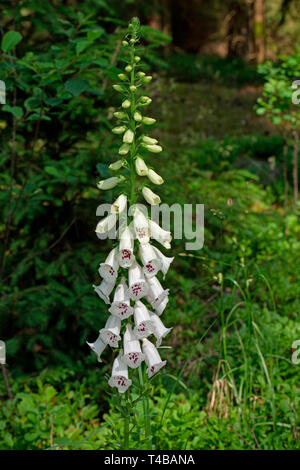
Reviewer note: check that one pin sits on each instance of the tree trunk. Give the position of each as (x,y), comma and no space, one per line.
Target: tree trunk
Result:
(193,22)
(238,30)
(295,167)
(259,30)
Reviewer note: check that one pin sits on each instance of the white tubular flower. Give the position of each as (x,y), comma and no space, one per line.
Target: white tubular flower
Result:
(156,293)
(145,100)
(126,104)
(104,289)
(110,334)
(137,116)
(119,205)
(124,149)
(148,121)
(159,234)
(161,307)
(106,224)
(154,177)
(149,140)
(152,358)
(98,347)
(119,377)
(143,324)
(116,165)
(159,329)
(154,148)
(120,115)
(109,183)
(121,305)
(109,269)
(137,284)
(165,261)
(151,261)
(141,167)
(141,226)
(128,137)
(133,355)
(119,130)
(126,256)
(150,196)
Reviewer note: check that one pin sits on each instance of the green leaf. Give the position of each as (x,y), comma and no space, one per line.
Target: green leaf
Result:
(16,111)
(81,45)
(95,34)
(76,86)
(10,40)
(51,170)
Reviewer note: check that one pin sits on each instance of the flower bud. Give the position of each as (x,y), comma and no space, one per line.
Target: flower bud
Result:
(132,88)
(125,44)
(116,165)
(132,42)
(141,167)
(109,183)
(137,116)
(147,79)
(120,115)
(128,68)
(154,148)
(140,74)
(126,104)
(124,149)
(118,88)
(128,137)
(122,76)
(137,59)
(145,100)
(148,121)
(154,177)
(150,196)
(149,140)
(119,129)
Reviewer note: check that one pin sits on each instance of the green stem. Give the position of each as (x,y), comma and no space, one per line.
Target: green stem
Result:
(126,427)
(133,128)
(147,421)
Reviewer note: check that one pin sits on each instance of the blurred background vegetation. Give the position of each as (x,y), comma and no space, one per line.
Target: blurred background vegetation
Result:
(222,98)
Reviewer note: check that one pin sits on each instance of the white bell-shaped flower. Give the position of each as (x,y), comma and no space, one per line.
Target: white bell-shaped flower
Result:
(152,358)
(121,304)
(156,292)
(137,285)
(159,329)
(109,269)
(110,183)
(119,376)
(141,226)
(126,256)
(165,261)
(151,261)
(161,307)
(119,205)
(150,196)
(106,224)
(133,355)
(159,234)
(143,324)
(98,347)
(104,290)
(110,334)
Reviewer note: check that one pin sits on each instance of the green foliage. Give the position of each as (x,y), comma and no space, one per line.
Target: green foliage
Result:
(276,101)
(190,68)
